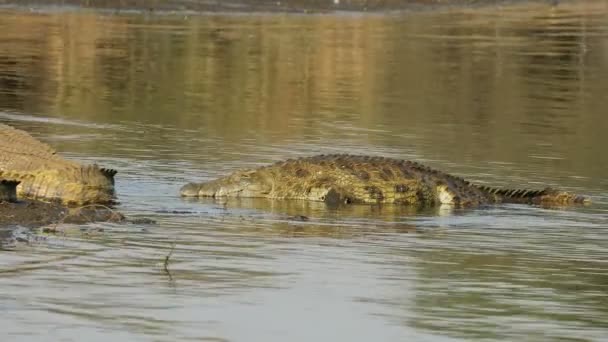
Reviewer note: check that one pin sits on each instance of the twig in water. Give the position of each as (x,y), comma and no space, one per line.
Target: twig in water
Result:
(166,263)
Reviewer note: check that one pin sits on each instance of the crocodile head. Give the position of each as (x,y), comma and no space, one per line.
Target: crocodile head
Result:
(239,184)
(212,189)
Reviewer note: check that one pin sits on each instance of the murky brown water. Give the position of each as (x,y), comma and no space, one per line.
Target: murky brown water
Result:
(504,96)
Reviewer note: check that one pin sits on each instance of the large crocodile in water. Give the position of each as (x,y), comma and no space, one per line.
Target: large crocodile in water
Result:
(45,175)
(38,187)
(363,179)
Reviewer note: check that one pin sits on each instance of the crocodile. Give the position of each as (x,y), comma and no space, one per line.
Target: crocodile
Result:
(34,213)
(45,175)
(343,178)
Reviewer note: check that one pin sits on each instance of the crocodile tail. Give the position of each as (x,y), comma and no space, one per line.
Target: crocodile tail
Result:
(90,172)
(108,173)
(510,195)
(547,196)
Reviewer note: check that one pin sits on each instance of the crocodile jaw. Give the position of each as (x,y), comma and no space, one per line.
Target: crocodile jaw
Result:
(216,189)
(190,190)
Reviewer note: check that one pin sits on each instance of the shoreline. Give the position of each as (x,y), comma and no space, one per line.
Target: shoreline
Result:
(200,7)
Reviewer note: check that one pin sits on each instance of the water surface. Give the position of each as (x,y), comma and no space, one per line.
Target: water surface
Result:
(509,96)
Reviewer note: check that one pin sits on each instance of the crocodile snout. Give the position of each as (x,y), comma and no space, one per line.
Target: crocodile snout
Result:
(190,190)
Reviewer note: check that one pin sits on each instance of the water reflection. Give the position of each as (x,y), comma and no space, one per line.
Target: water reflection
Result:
(449,82)
(467,288)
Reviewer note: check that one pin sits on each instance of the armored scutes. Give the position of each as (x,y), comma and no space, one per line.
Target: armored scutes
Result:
(43,174)
(364,179)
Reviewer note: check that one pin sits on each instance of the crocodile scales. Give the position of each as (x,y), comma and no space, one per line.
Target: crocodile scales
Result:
(343,178)
(44,174)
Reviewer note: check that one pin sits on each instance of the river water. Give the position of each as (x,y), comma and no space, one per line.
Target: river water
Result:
(505,96)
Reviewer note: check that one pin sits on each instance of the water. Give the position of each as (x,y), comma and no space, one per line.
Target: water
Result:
(507,96)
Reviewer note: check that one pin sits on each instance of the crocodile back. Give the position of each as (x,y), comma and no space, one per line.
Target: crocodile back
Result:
(19,151)
(356,179)
(44,174)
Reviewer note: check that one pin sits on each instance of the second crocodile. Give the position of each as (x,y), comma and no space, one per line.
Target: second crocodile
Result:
(45,175)
(343,178)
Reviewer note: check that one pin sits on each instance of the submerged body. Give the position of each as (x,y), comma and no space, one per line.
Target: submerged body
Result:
(45,175)
(32,213)
(364,179)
